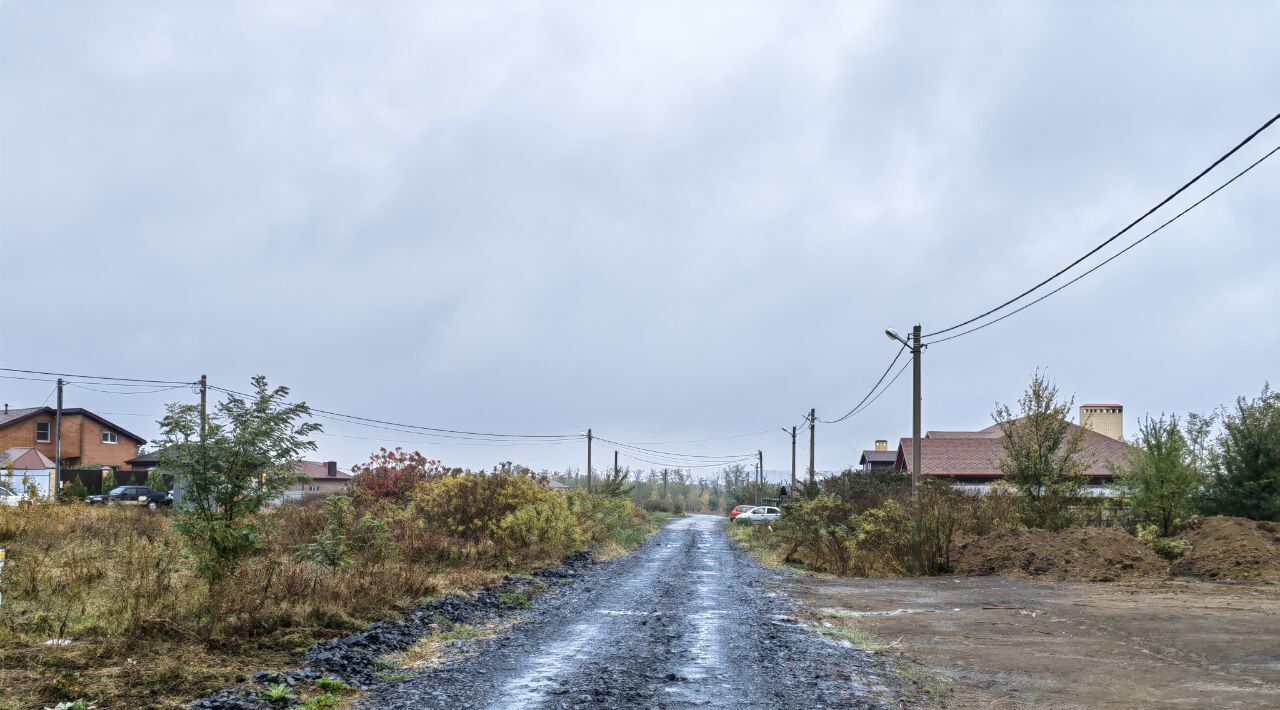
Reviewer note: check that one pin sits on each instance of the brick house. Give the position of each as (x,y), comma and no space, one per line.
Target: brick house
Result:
(88,440)
(319,478)
(971,459)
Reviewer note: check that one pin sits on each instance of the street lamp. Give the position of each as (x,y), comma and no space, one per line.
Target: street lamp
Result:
(915,348)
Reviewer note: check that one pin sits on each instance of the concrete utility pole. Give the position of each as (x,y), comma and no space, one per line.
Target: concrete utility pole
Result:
(813,424)
(916,348)
(792,432)
(204,422)
(57,440)
(588,461)
(915,442)
(760,459)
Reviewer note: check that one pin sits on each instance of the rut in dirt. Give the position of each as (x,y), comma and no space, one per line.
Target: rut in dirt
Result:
(688,620)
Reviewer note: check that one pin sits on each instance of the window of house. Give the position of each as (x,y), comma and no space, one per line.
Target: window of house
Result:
(108,436)
(42,432)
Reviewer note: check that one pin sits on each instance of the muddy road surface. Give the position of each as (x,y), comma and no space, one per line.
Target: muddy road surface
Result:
(687,620)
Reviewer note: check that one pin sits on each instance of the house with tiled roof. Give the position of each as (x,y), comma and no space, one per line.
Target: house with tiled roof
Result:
(319,478)
(971,459)
(21,466)
(878,459)
(87,438)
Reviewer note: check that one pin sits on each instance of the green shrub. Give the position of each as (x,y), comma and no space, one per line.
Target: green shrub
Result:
(831,533)
(818,531)
(1167,547)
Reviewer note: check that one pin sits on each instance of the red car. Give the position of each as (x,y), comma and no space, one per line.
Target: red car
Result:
(739,510)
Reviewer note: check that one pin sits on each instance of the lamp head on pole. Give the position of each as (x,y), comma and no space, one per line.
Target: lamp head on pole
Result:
(893,335)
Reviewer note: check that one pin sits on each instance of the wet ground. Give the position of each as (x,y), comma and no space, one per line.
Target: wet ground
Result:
(1004,643)
(687,620)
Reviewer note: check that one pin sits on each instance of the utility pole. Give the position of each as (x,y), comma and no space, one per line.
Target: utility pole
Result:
(616,470)
(665,473)
(915,445)
(760,454)
(793,461)
(588,461)
(813,424)
(57,440)
(204,423)
(916,348)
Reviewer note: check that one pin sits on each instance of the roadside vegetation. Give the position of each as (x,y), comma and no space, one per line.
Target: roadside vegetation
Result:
(132,608)
(861,523)
(668,490)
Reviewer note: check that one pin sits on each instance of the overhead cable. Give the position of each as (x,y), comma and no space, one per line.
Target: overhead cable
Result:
(1111,258)
(1118,234)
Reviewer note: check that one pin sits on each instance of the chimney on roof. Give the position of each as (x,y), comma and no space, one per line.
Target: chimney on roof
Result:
(882,445)
(1105,419)
(331,468)
(6,407)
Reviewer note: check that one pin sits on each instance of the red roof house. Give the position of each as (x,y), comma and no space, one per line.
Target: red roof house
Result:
(974,456)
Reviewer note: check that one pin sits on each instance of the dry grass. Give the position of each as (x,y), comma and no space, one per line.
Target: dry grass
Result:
(433,650)
(142,630)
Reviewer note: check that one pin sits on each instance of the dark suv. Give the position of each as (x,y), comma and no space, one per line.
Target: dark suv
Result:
(132,495)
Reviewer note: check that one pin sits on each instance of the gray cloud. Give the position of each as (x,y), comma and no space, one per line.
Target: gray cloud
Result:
(656,220)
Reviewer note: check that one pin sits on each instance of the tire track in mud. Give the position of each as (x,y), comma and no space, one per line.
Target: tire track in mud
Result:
(686,620)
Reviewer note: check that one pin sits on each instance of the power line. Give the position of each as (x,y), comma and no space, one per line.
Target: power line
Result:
(32,379)
(901,370)
(721,464)
(871,391)
(1115,236)
(358,419)
(672,454)
(151,391)
(96,377)
(1113,257)
(468,442)
(698,441)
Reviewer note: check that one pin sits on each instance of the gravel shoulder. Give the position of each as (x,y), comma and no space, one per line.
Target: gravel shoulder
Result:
(687,620)
(1005,642)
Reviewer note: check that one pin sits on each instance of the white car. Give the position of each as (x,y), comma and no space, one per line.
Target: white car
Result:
(8,497)
(760,512)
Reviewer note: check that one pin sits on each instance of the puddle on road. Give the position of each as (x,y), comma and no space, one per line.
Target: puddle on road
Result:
(893,612)
(566,650)
(529,689)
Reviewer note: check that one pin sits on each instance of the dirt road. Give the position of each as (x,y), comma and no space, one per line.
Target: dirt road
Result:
(687,620)
(1006,643)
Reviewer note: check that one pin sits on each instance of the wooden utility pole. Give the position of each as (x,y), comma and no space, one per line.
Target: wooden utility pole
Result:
(813,424)
(588,461)
(57,440)
(616,470)
(665,473)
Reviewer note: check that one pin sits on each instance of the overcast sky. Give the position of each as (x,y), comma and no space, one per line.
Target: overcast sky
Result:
(664,221)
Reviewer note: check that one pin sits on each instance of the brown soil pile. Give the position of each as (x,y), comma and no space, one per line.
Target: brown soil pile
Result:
(1231,548)
(1078,554)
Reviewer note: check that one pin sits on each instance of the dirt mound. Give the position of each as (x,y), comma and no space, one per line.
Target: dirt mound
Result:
(1231,548)
(1079,554)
